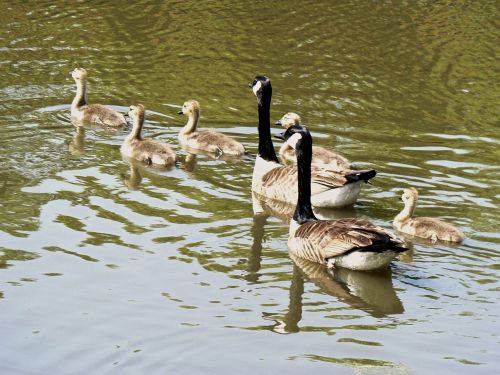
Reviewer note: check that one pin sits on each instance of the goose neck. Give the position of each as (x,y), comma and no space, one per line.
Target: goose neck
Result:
(135,134)
(192,123)
(407,211)
(266,147)
(81,94)
(303,211)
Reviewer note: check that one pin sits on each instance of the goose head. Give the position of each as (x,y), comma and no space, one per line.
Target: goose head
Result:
(409,196)
(189,107)
(79,74)
(289,119)
(136,112)
(261,87)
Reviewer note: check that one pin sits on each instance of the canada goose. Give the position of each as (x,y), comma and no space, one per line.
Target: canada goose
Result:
(321,156)
(98,113)
(275,181)
(349,243)
(425,227)
(209,140)
(149,151)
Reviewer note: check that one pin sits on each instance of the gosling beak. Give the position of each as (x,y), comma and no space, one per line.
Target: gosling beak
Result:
(280,136)
(180,112)
(278,123)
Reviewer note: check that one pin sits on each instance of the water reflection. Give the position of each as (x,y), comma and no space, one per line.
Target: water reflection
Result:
(77,145)
(284,211)
(139,169)
(372,292)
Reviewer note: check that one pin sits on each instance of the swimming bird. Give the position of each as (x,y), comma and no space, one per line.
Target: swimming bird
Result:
(275,181)
(146,150)
(425,227)
(321,156)
(209,140)
(98,113)
(350,243)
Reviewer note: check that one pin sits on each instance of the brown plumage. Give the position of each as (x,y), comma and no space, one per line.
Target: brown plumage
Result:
(324,239)
(425,227)
(148,151)
(321,157)
(209,141)
(96,113)
(281,183)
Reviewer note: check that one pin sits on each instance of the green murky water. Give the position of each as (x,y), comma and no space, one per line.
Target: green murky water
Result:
(107,267)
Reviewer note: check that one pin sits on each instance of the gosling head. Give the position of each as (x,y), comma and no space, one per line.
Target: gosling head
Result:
(79,74)
(261,87)
(136,112)
(289,119)
(409,195)
(189,107)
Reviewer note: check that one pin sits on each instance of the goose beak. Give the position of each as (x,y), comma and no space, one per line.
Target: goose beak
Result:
(278,123)
(180,112)
(250,85)
(280,136)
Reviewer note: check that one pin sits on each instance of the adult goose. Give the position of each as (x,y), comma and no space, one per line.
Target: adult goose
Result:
(96,113)
(424,227)
(208,140)
(350,243)
(275,181)
(147,150)
(321,157)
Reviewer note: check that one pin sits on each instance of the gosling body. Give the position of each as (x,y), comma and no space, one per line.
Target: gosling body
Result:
(95,113)
(321,157)
(146,150)
(424,227)
(350,243)
(209,141)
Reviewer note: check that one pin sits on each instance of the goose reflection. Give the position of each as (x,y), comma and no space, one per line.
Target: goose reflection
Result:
(77,145)
(284,211)
(372,292)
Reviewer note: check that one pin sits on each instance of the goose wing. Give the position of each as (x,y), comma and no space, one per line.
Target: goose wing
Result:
(331,238)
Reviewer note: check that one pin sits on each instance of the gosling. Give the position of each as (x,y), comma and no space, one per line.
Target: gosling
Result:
(209,140)
(147,150)
(322,157)
(97,113)
(425,227)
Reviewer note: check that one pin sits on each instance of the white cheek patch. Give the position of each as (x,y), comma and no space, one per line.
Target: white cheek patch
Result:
(256,88)
(292,141)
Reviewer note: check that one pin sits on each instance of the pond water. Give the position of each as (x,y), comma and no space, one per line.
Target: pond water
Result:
(112,267)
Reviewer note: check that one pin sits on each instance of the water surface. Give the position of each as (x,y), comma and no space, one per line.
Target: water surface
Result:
(108,266)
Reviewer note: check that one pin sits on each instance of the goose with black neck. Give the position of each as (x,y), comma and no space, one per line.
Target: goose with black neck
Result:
(350,243)
(272,180)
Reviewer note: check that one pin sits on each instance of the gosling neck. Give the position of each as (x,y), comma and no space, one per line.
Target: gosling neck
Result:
(81,94)
(192,123)
(303,211)
(407,211)
(135,134)
(266,148)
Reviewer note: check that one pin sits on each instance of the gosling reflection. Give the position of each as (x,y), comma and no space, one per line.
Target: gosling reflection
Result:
(138,170)
(77,145)
(189,163)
